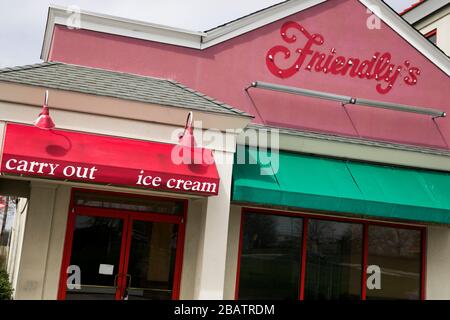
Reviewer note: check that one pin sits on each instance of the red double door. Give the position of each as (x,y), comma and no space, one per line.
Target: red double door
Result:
(115,254)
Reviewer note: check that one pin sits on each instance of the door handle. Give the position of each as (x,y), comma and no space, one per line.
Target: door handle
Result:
(115,280)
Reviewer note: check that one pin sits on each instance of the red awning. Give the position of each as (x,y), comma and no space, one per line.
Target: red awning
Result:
(76,156)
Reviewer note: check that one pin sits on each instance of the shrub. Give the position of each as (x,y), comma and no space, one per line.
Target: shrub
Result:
(5,286)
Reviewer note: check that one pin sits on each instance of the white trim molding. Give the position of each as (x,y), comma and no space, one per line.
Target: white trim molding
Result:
(255,21)
(165,34)
(59,15)
(423,10)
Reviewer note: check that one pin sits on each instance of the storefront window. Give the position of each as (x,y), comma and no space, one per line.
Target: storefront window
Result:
(396,253)
(334,257)
(334,254)
(139,204)
(271,255)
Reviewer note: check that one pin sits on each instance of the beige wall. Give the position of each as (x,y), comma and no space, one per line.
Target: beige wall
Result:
(234,229)
(438,263)
(194,226)
(56,242)
(211,261)
(33,257)
(39,253)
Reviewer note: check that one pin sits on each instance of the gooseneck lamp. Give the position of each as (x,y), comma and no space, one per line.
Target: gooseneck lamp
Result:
(44,121)
(187,138)
(191,154)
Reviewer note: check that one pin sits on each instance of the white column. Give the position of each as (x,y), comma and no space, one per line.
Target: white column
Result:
(56,243)
(210,275)
(33,258)
(234,230)
(438,263)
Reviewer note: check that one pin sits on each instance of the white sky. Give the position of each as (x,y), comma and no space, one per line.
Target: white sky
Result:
(22,22)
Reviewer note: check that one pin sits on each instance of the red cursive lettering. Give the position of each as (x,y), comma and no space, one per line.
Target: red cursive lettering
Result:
(378,67)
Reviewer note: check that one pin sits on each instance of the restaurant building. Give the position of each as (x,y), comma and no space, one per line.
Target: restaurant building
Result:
(324,166)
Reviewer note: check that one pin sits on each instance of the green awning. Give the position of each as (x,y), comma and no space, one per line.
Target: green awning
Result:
(334,185)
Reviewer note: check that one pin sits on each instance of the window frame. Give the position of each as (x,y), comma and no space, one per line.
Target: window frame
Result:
(327,217)
(431,33)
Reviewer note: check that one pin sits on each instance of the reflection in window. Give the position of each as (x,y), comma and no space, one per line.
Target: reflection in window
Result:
(270,258)
(96,241)
(397,252)
(333,263)
(152,260)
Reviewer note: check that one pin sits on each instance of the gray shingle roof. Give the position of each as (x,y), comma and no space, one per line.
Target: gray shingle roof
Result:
(115,84)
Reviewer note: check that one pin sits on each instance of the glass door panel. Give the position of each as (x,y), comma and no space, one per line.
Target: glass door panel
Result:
(96,253)
(151,263)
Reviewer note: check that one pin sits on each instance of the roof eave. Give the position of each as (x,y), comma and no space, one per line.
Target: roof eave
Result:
(255,21)
(58,15)
(422,10)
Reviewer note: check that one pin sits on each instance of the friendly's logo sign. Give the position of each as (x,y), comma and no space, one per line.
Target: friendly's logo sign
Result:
(378,67)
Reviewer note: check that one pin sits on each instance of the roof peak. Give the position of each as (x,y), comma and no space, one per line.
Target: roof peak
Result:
(171,35)
(202,40)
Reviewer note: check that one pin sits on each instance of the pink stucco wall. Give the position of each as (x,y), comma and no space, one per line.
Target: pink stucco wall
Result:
(224,70)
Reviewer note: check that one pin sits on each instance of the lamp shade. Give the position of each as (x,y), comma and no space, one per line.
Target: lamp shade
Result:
(44,121)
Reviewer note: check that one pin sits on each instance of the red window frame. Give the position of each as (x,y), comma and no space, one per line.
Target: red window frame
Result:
(147,216)
(430,34)
(364,222)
